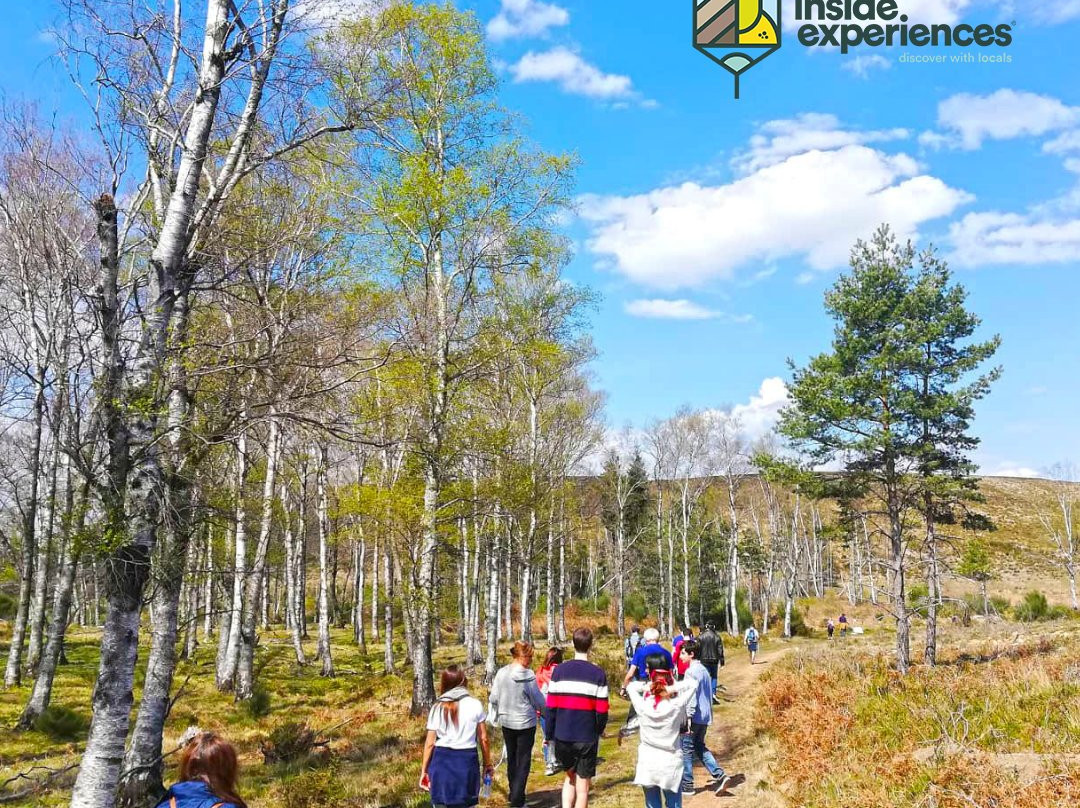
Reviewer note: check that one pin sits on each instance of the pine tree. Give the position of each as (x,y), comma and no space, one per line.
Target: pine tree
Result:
(893,398)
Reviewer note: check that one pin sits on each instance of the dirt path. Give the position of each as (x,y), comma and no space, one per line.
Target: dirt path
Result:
(743,753)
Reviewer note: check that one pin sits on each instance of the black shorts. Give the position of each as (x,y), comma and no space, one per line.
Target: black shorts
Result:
(579,758)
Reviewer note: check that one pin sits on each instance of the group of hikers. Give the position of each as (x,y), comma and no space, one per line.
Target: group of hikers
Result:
(671,694)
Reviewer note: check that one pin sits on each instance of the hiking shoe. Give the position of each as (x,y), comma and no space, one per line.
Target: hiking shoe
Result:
(688,787)
(550,770)
(722,783)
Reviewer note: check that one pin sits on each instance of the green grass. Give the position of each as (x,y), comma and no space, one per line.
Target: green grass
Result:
(374,757)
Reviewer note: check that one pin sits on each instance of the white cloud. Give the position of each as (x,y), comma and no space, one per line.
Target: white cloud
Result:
(1065,143)
(760,415)
(1009,469)
(863,64)
(775,141)
(660,309)
(1059,12)
(525,18)
(573,74)
(968,119)
(813,205)
(1013,238)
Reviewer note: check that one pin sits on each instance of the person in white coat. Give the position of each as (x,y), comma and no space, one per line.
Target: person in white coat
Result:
(661,705)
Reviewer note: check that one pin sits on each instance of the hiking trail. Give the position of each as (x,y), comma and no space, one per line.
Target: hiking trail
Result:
(743,753)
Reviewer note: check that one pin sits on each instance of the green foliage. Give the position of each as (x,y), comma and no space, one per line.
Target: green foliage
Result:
(721,617)
(8,606)
(917,596)
(61,724)
(258,706)
(289,743)
(975,561)
(635,607)
(1032,608)
(798,625)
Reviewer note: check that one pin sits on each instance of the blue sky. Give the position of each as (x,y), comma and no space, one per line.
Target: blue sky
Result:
(711,227)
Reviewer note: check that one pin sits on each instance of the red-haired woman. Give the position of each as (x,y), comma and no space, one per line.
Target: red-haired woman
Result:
(455,725)
(552,660)
(208,773)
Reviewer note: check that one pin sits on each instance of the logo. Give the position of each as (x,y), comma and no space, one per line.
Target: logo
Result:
(737,34)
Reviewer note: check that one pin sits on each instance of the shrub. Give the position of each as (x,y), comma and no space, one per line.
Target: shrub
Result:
(62,724)
(8,606)
(289,743)
(917,597)
(798,624)
(635,608)
(1032,608)
(258,706)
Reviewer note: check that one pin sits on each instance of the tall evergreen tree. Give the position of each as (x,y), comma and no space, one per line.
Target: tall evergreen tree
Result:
(893,398)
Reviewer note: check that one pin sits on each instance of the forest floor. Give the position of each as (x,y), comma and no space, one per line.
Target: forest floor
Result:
(813,723)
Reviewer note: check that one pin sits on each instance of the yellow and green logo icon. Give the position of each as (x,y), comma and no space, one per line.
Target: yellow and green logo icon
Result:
(737,34)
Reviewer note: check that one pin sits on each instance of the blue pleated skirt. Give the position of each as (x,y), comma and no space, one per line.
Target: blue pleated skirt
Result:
(455,777)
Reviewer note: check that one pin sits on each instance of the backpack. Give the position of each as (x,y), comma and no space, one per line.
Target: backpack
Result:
(631,647)
(751,635)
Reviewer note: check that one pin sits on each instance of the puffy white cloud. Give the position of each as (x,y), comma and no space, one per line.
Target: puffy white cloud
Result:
(1013,238)
(760,415)
(661,309)
(525,18)
(863,64)
(1009,469)
(573,74)
(968,120)
(812,205)
(775,141)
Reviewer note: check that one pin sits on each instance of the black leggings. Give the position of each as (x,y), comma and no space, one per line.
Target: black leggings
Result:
(519,746)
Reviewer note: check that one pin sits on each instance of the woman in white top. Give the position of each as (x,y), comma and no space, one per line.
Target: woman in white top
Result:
(661,706)
(455,724)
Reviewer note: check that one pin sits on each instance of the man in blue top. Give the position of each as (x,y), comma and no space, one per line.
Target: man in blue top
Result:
(699,712)
(651,645)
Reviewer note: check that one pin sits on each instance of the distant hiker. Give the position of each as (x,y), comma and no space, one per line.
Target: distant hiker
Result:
(577,712)
(632,644)
(681,663)
(830,628)
(208,773)
(711,653)
(637,671)
(700,713)
(751,639)
(552,659)
(454,727)
(843,625)
(661,704)
(514,703)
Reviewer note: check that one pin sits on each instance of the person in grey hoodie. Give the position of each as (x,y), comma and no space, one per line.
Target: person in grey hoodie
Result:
(514,701)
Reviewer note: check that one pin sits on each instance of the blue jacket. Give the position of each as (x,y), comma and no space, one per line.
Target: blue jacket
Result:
(193,794)
(701,712)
